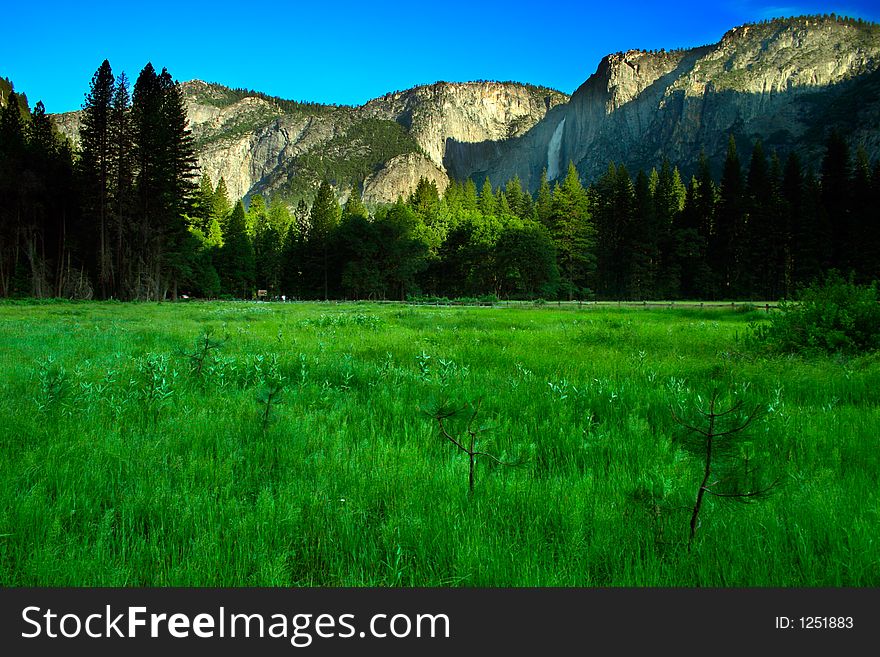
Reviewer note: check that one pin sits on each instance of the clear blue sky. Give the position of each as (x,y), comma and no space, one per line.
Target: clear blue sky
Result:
(348,52)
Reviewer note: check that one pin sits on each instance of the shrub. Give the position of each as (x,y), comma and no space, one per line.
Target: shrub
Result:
(834,316)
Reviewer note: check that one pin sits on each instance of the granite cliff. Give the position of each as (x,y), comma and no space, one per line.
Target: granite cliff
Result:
(786,81)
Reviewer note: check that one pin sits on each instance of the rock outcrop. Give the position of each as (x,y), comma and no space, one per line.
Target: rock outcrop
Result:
(399,177)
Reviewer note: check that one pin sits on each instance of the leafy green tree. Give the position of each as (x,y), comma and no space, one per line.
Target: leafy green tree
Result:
(526,262)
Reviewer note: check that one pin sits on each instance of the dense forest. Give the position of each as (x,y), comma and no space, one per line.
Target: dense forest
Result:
(126,217)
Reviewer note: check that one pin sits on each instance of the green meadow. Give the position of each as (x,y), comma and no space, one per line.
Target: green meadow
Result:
(245,444)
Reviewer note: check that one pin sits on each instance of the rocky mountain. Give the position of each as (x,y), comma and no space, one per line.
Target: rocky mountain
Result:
(263,144)
(785,81)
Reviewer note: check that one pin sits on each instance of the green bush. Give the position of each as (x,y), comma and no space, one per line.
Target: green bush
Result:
(834,316)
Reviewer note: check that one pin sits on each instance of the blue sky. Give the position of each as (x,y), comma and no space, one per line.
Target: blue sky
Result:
(348,52)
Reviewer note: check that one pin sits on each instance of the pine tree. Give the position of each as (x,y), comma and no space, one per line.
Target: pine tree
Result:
(724,248)
(324,215)
(203,203)
(256,215)
(121,184)
(469,199)
(643,238)
(425,197)
(95,161)
(513,192)
(165,164)
(279,216)
(754,262)
(222,208)
(12,154)
(573,232)
(674,245)
(488,204)
(835,200)
(544,200)
(864,207)
(237,261)
(354,205)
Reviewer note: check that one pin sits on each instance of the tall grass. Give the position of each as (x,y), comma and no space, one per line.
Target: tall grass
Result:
(123,466)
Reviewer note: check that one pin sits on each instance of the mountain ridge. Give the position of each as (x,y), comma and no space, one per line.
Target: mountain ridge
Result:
(784,81)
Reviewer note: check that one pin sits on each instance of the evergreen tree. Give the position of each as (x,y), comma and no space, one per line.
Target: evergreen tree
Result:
(425,197)
(674,245)
(122,185)
(96,154)
(222,207)
(324,216)
(165,165)
(237,260)
(469,200)
(755,254)
(644,240)
(257,215)
(279,216)
(514,194)
(835,200)
(573,232)
(544,200)
(865,255)
(724,248)
(488,204)
(12,154)
(354,206)
(203,203)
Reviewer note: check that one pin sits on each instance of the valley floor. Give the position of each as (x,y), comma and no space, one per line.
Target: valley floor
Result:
(246,444)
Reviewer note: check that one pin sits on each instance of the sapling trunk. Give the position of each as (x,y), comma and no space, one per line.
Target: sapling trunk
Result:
(708,442)
(441,414)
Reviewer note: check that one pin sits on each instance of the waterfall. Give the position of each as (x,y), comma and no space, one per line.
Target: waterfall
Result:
(553,152)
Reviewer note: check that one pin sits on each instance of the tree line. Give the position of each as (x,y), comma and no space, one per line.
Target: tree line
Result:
(108,220)
(126,217)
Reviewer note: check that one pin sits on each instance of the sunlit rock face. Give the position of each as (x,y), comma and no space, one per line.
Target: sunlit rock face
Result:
(786,82)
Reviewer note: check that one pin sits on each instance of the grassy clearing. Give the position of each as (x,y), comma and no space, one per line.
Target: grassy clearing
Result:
(122,466)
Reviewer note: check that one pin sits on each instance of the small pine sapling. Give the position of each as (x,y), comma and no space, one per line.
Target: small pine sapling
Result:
(724,448)
(200,356)
(466,443)
(269,395)
(272,385)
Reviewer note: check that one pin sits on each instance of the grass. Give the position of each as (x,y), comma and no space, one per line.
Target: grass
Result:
(123,465)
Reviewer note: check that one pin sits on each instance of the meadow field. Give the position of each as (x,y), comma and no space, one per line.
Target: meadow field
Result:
(266,444)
